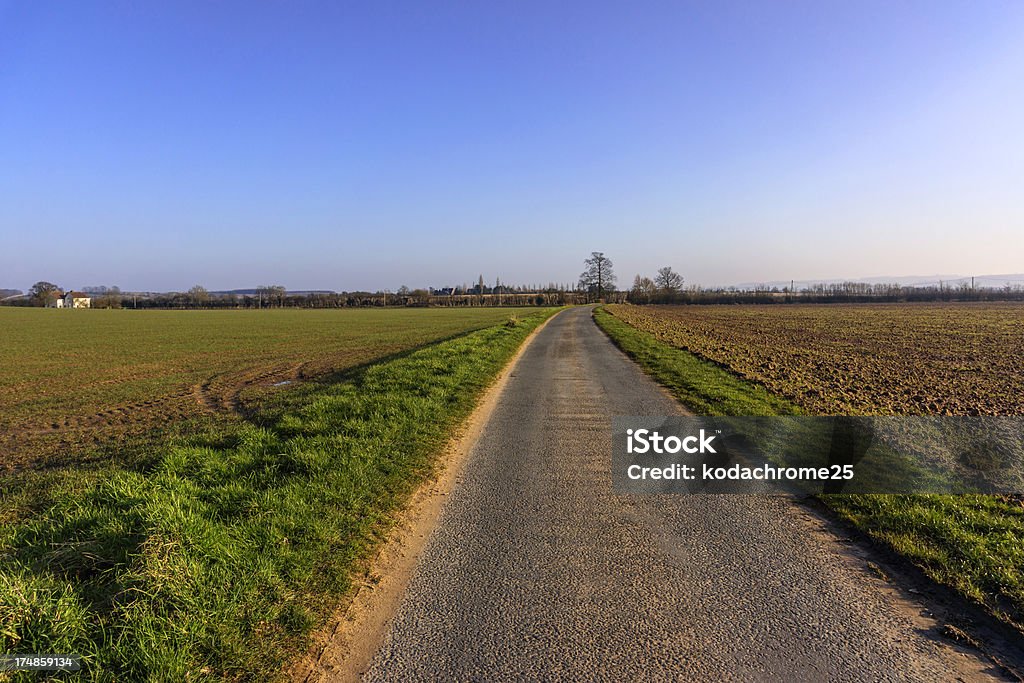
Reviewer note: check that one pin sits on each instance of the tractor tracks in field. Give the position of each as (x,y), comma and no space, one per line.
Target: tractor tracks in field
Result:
(125,413)
(219,394)
(222,393)
(62,437)
(222,396)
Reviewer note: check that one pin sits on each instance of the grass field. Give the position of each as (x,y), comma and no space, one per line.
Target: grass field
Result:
(748,360)
(78,382)
(218,553)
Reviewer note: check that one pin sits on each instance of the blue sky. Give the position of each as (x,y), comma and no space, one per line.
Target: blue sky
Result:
(346,146)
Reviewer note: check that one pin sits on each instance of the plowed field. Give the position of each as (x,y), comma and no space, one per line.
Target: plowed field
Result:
(888,359)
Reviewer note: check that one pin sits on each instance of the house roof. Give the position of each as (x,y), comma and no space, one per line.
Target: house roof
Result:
(77,295)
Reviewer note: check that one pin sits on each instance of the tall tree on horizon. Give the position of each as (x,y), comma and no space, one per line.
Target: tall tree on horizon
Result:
(598,275)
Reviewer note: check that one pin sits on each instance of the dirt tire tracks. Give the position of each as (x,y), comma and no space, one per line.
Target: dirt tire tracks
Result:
(113,416)
(222,393)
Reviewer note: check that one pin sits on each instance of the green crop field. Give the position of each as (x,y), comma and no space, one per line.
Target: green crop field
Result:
(213,550)
(866,359)
(73,383)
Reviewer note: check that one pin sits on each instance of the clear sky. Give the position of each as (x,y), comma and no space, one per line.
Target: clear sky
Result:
(343,145)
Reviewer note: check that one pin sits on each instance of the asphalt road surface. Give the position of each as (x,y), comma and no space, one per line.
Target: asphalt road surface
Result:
(538,570)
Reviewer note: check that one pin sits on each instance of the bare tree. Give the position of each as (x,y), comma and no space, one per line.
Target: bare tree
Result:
(643,290)
(109,297)
(668,281)
(598,276)
(198,295)
(271,293)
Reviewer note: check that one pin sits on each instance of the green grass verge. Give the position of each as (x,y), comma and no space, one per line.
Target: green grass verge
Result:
(974,544)
(218,559)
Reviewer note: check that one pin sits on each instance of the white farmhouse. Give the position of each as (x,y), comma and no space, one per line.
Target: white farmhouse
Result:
(77,300)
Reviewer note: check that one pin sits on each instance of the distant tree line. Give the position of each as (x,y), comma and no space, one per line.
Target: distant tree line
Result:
(277,296)
(646,291)
(596,283)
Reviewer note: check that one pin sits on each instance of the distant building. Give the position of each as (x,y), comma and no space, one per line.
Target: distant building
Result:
(55,300)
(76,300)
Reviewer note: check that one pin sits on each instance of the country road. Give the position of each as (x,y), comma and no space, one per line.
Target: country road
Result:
(538,570)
